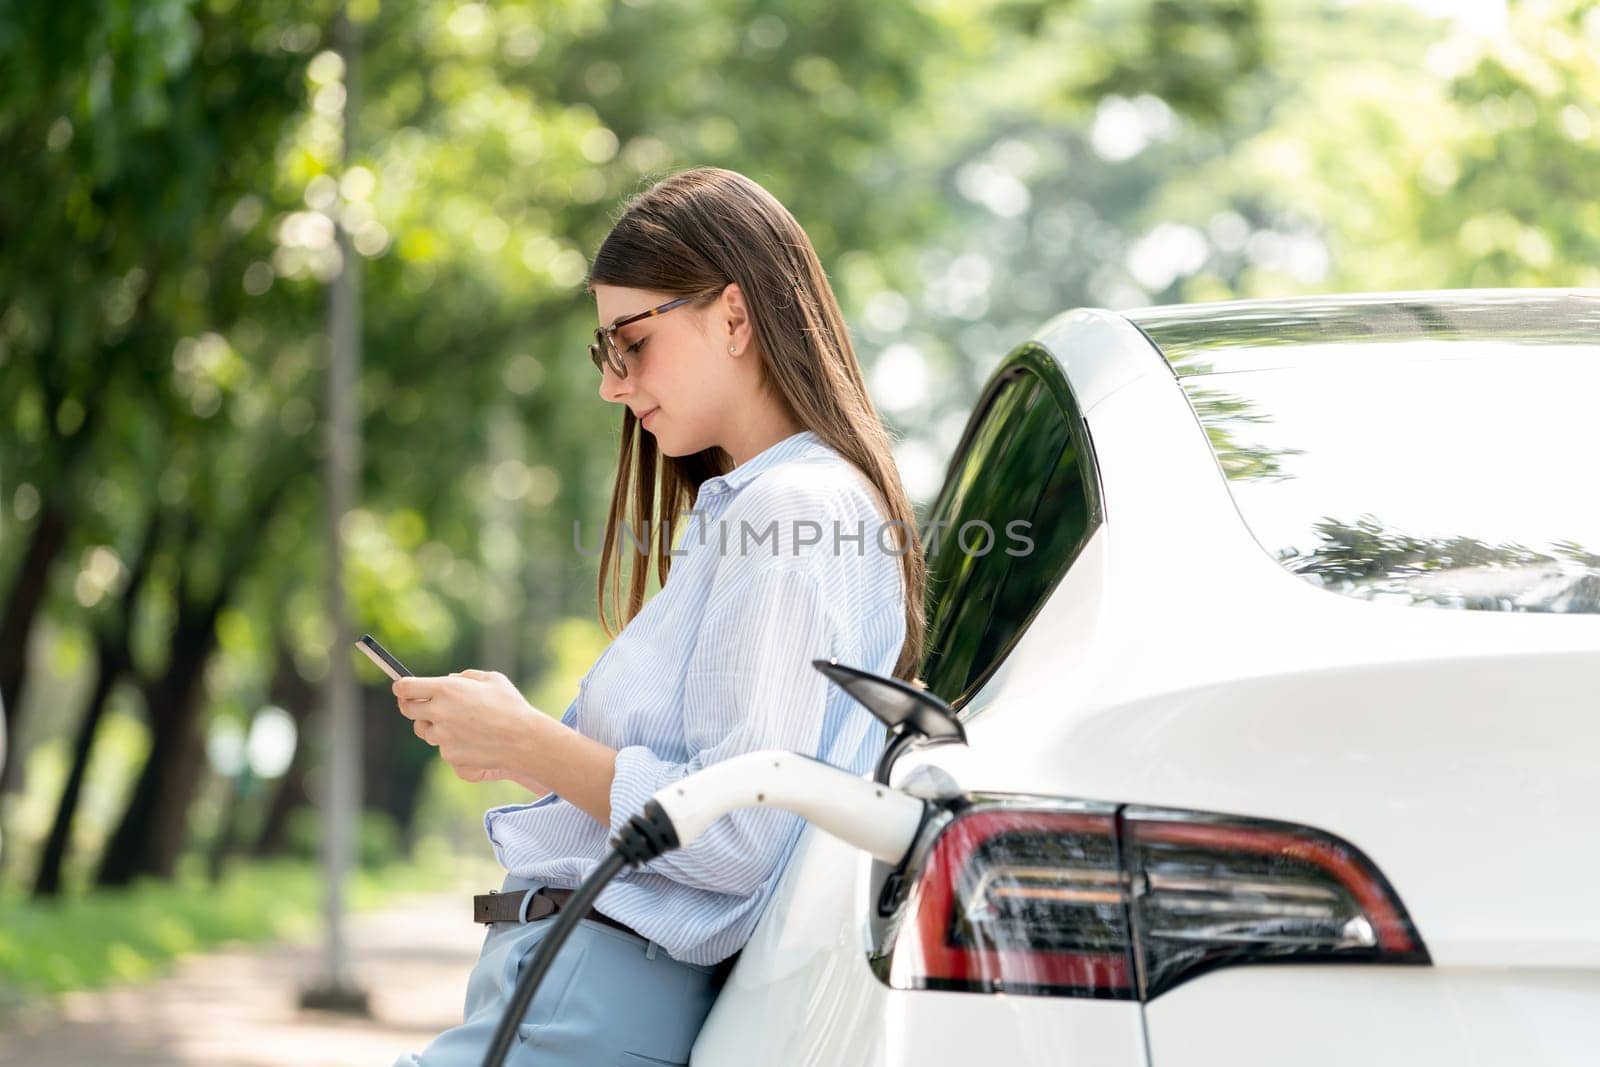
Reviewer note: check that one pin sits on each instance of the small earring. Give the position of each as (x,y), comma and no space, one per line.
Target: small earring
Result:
(733,350)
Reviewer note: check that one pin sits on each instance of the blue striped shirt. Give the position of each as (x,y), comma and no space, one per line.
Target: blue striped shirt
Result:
(784,559)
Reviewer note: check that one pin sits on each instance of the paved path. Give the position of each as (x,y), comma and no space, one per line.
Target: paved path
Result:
(238,1008)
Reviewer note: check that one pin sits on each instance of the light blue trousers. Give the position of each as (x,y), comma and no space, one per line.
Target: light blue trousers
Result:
(610,998)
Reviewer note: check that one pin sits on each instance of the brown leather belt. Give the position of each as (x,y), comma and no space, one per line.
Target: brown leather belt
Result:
(507,908)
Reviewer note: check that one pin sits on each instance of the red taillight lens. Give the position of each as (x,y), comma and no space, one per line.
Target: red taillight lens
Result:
(1019,901)
(1100,901)
(1210,891)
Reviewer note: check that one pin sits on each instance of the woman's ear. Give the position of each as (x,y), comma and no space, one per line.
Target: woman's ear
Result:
(739,330)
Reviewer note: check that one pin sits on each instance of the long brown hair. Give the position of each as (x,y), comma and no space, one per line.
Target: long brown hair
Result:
(692,234)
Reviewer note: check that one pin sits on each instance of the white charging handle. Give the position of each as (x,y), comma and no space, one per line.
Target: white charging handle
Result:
(872,817)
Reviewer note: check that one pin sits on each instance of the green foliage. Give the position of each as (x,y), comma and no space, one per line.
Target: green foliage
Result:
(1446,160)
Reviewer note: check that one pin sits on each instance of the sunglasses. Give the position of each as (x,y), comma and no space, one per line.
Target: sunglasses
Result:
(604,350)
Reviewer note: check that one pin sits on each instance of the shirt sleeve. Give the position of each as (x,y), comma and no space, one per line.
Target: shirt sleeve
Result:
(749,685)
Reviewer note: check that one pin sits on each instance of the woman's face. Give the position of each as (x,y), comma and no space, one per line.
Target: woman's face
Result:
(682,379)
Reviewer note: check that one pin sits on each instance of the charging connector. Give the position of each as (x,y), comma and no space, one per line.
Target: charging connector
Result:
(872,817)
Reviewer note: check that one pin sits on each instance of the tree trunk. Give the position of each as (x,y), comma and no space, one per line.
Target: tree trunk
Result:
(58,487)
(115,658)
(151,834)
(47,882)
(49,537)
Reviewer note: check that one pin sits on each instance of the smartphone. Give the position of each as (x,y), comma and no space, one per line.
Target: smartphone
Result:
(380,655)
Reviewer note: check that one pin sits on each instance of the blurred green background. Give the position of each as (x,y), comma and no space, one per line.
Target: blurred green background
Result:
(174,173)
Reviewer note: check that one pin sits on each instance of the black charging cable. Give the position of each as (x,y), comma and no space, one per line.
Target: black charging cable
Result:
(645,837)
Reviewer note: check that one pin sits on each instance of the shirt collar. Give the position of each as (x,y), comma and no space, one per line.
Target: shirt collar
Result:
(795,446)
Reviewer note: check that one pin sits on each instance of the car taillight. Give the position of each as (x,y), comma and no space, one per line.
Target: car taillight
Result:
(1096,900)
(1019,900)
(1210,891)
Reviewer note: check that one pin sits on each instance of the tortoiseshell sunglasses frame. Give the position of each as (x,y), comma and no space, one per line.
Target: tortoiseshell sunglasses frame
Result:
(604,337)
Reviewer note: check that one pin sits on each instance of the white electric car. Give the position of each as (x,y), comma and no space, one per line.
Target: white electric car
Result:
(1283,734)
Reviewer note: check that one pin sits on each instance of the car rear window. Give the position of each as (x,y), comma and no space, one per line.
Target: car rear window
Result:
(1450,474)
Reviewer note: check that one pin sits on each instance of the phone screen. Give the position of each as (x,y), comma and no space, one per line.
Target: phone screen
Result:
(380,655)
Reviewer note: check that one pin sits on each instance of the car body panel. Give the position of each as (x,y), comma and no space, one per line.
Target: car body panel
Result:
(1100,352)
(1335,1016)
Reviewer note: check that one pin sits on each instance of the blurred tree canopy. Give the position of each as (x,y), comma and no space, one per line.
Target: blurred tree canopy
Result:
(167,218)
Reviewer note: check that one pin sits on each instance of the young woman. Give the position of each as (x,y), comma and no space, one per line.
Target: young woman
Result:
(744,403)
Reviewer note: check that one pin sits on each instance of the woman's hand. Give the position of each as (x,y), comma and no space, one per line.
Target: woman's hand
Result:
(479,722)
(485,730)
